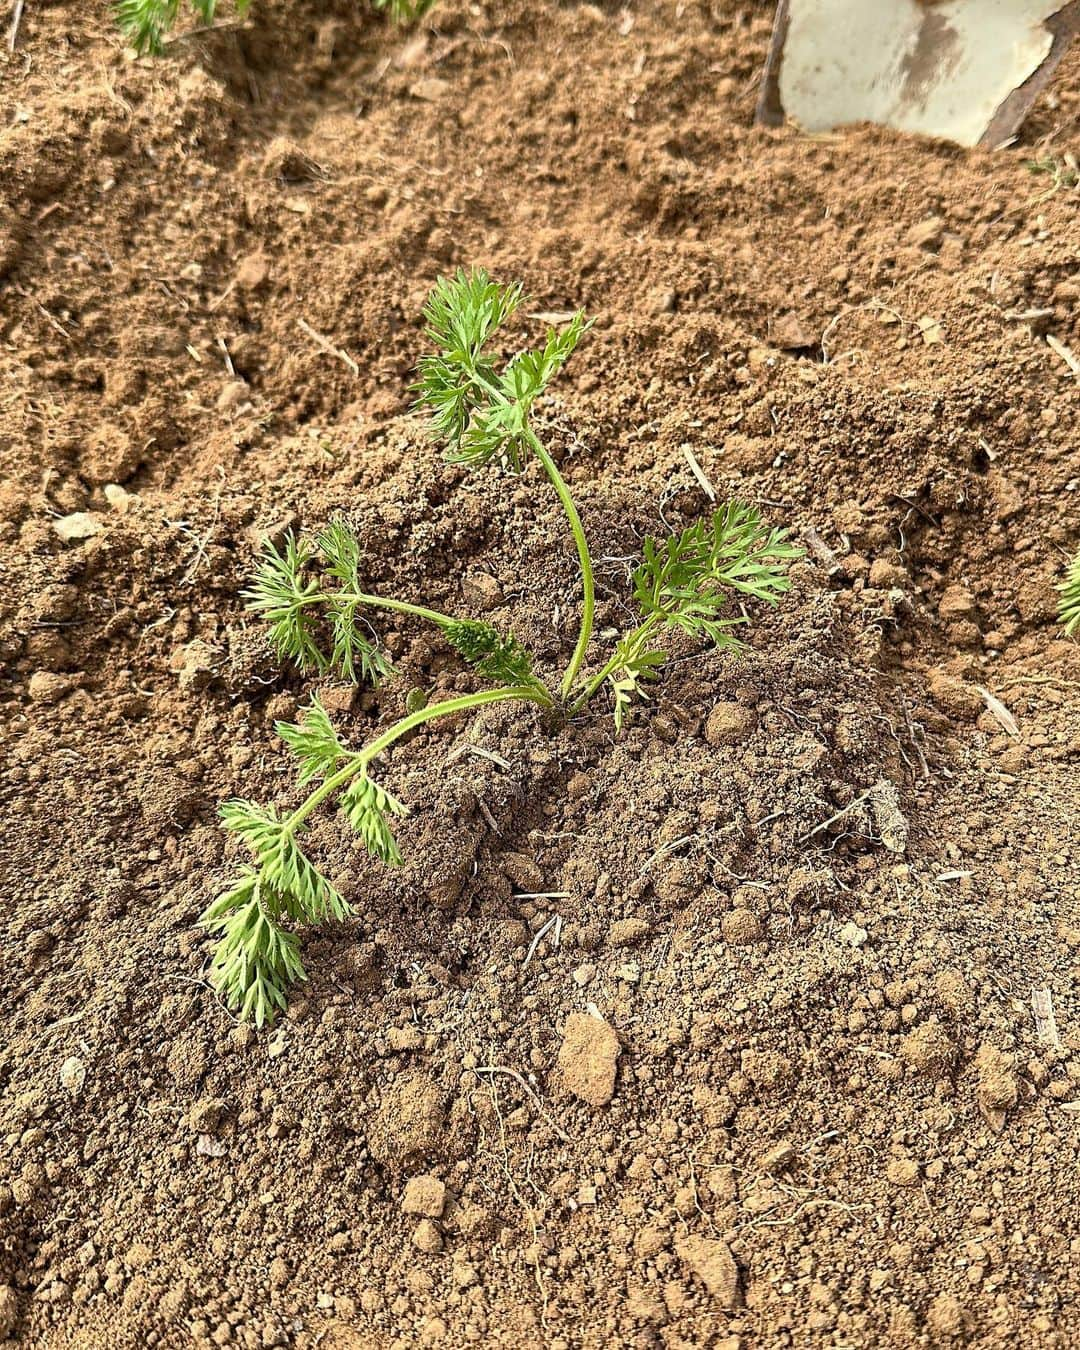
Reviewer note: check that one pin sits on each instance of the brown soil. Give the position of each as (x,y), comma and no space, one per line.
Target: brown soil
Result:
(818,1109)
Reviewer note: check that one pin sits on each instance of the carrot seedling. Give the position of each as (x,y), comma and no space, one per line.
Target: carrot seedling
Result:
(311,594)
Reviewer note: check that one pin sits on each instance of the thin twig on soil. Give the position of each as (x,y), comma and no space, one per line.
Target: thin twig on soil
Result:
(52,321)
(324,344)
(554,922)
(481,752)
(699,473)
(1042,1005)
(16,19)
(915,507)
(911,726)
(871,306)
(204,30)
(516,1189)
(201,543)
(999,712)
(665,849)
(222,297)
(492,823)
(822,551)
(1059,349)
(852,806)
(513,1073)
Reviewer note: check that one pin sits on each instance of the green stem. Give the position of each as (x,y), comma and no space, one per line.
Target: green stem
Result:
(377,602)
(588,608)
(358,762)
(637,636)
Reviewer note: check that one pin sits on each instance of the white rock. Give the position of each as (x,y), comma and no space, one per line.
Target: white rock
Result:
(79,525)
(852,934)
(73,1075)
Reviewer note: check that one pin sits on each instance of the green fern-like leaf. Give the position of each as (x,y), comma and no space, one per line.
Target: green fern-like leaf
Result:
(340,548)
(686,581)
(303,892)
(296,603)
(403,11)
(314,742)
(146,22)
(495,431)
(354,653)
(500,659)
(482,414)
(367,807)
(530,373)
(282,594)
(255,959)
(1069,604)
(459,380)
(463,312)
(636,664)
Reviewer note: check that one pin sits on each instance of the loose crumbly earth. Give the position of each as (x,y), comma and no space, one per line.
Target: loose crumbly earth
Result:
(773,1078)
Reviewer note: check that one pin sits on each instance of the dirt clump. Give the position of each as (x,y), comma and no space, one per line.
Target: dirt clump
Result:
(424,1196)
(710,1259)
(587,1059)
(410,1119)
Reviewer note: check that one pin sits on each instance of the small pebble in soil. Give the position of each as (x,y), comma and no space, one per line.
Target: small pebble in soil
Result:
(9,1310)
(481,592)
(401,1039)
(205,1115)
(945,1317)
(232,395)
(928,1050)
(741,927)
(902,1171)
(953,994)
(998,1087)
(953,696)
(625,932)
(77,526)
(778,1159)
(851,934)
(956,603)
(252,271)
(73,1075)
(46,686)
(885,574)
(55,604)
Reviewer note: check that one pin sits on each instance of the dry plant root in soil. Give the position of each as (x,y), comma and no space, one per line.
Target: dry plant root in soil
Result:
(312,595)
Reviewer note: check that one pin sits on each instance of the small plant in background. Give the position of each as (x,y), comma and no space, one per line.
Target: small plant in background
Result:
(310,593)
(1069,603)
(403,11)
(147,24)
(1065,171)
